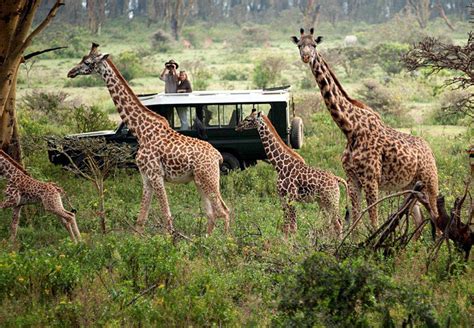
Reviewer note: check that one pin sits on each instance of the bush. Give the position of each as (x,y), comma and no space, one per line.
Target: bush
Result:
(91,118)
(388,56)
(267,72)
(162,41)
(200,75)
(353,293)
(384,100)
(88,81)
(129,64)
(233,74)
(451,110)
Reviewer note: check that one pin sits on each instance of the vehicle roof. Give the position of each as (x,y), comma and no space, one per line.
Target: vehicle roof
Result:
(216,97)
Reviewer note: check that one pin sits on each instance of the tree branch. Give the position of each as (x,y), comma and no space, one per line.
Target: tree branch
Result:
(36,53)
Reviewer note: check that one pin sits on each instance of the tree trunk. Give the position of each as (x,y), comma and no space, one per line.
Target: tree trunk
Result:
(17,18)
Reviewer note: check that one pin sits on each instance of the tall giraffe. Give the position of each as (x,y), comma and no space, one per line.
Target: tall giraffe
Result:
(22,189)
(296,180)
(163,154)
(376,156)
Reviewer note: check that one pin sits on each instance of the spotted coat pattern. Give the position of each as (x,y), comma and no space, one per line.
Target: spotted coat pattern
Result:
(376,156)
(296,180)
(22,189)
(163,154)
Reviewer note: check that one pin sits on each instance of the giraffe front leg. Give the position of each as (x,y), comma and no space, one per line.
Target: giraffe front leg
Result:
(15,223)
(13,198)
(289,210)
(355,196)
(158,185)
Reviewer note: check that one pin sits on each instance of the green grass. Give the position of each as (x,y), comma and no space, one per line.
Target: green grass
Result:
(238,279)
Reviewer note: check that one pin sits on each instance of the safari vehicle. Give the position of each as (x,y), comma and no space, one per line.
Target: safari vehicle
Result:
(213,116)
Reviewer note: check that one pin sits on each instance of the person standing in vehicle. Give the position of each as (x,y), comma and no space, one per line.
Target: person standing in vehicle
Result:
(170,77)
(183,83)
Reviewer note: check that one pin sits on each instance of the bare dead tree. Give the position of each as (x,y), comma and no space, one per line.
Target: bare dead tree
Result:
(93,160)
(435,55)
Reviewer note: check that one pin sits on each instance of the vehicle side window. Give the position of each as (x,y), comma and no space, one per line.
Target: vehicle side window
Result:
(247,109)
(220,116)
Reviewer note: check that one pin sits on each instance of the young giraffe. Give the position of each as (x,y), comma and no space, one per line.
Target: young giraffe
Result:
(376,156)
(22,189)
(163,154)
(296,180)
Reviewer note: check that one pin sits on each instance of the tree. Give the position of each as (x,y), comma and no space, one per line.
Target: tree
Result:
(17,19)
(93,160)
(421,10)
(436,56)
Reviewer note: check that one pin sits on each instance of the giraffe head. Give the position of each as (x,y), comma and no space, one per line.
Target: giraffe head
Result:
(307,45)
(89,63)
(250,122)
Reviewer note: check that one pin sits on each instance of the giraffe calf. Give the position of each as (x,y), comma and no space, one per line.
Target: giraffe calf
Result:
(22,189)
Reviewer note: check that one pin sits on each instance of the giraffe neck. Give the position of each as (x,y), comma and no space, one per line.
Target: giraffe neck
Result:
(339,104)
(278,153)
(136,116)
(9,168)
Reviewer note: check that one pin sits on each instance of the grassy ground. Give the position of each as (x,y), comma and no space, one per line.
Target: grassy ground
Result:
(245,278)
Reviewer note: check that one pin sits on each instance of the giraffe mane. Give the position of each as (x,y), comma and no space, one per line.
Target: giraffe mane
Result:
(134,96)
(13,162)
(355,102)
(272,129)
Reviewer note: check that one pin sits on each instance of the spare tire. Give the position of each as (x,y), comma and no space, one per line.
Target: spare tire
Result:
(296,133)
(230,162)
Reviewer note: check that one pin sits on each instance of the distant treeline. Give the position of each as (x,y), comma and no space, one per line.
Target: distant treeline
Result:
(174,13)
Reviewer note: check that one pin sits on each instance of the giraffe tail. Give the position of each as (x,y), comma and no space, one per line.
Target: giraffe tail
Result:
(347,216)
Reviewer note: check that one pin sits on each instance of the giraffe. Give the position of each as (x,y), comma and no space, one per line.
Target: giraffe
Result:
(296,180)
(163,154)
(22,189)
(376,156)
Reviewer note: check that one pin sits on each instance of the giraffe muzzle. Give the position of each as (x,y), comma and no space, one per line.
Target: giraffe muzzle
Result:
(305,59)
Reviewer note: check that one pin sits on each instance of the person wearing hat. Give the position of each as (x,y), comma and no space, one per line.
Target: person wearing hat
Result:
(170,77)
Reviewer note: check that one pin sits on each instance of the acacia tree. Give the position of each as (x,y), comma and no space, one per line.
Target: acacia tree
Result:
(15,37)
(436,56)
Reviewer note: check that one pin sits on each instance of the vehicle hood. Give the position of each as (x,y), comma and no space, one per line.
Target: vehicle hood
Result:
(92,134)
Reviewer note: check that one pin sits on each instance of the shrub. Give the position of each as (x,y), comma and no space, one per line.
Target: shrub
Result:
(353,293)
(233,74)
(84,82)
(452,107)
(91,118)
(354,60)
(199,73)
(382,99)
(162,41)
(129,64)
(388,56)
(267,72)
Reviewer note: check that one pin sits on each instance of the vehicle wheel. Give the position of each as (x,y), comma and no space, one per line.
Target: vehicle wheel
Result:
(230,163)
(296,134)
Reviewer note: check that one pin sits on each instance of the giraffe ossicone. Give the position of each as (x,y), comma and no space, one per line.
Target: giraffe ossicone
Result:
(163,155)
(296,180)
(22,189)
(376,157)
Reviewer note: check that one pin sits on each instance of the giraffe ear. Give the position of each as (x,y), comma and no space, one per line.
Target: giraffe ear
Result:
(259,114)
(295,39)
(311,31)
(104,57)
(302,31)
(319,39)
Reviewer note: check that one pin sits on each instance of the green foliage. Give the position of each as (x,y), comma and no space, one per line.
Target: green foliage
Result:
(233,74)
(384,100)
(162,41)
(452,108)
(389,55)
(91,118)
(129,65)
(88,81)
(351,293)
(267,72)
